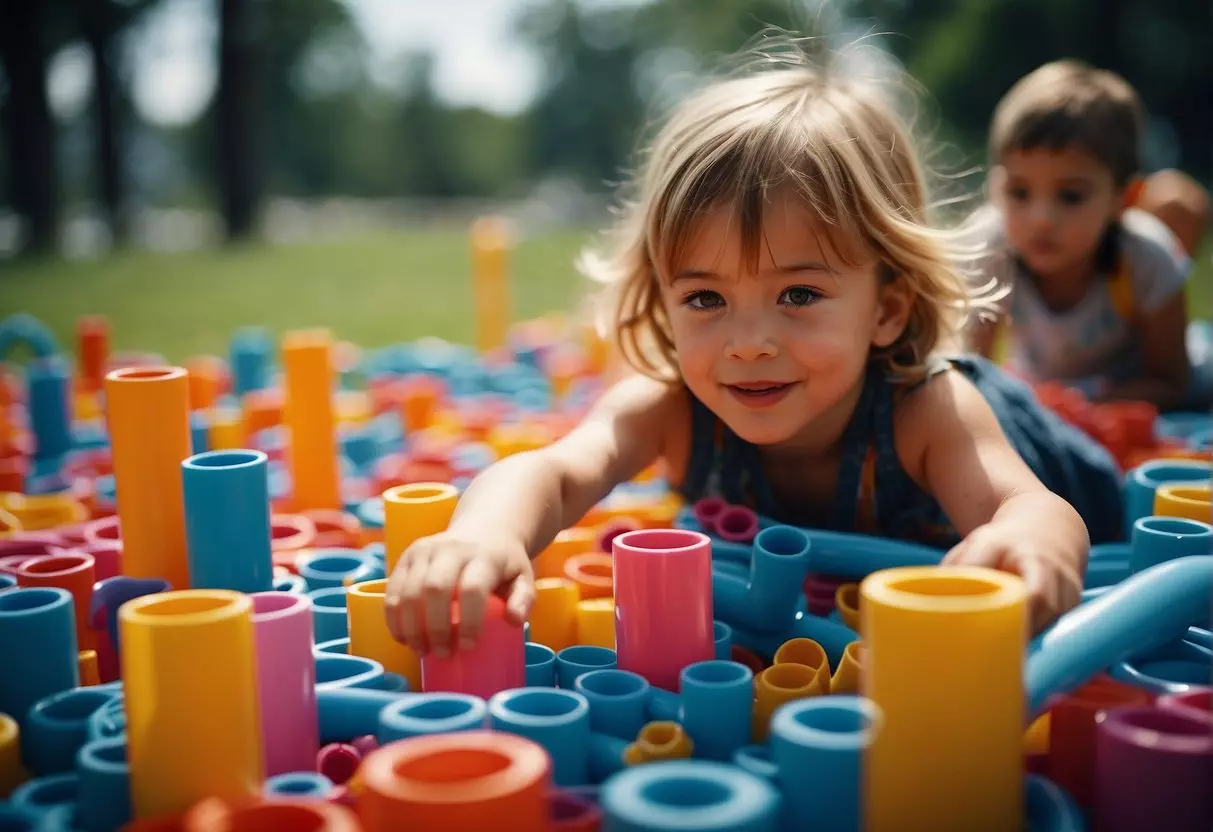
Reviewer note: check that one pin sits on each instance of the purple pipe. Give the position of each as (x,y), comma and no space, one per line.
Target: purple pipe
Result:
(1153,770)
(286,681)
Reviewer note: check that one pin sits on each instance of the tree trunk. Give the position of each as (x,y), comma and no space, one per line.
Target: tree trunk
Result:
(100,28)
(29,131)
(237,122)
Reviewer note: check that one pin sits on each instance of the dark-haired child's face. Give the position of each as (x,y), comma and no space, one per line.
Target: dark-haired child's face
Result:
(1056,206)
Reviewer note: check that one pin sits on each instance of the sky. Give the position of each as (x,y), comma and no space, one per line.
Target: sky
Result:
(173,55)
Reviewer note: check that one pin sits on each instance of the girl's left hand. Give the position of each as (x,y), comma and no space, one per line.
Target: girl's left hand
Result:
(1054,586)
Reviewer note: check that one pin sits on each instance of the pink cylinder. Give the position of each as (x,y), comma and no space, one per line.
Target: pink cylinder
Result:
(107,557)
(663,603)
(1153,770)
(612,529)
(707,510)
(496,663)
(1197,700)
(737,524)
(286,681)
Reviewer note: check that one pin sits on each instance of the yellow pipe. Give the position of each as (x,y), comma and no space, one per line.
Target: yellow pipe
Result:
(848,676)
(12,774)
(846,601)
(490,242)
(1183,500)
(659,741)
(575,541)
(596,622)
(944,664)
(369,635)
(809,653)
(147,468)
(89,672)
(226,429)
(189,677)
(414,511)
(309,415)
(554,613)
(776,685)
(42,511)
(1036,738)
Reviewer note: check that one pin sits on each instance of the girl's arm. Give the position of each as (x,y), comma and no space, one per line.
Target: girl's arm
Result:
(954,447)
(1166,371)
(514,508)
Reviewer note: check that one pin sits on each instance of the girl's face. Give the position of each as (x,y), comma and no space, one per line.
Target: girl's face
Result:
(1057,205)
(775,347)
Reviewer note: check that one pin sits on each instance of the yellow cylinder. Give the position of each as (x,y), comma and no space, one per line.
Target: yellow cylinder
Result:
(1187,500)
(225,431)
(414,511)
(148,415)
(846,678)
(1036,738)
(89,671)
(846,601)
(490,251)
(369,635)
(192,720)
(944,664)
(809,653)
(575,541)
(311,424)
(659,741)
(596,622)
(12,774)
(776,685)
(554,613)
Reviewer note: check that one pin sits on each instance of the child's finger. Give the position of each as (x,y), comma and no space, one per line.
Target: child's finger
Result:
(403,600)
(522,597)
(477,580)
(438,586)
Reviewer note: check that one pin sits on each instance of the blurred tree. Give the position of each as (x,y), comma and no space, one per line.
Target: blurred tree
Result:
(238,126)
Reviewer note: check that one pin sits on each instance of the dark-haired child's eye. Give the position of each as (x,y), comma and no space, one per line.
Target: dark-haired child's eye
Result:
(799,296)
(1017,193)
(703,299)
(1072,197)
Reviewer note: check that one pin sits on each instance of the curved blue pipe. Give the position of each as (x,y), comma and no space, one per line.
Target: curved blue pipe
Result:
(766,602)
(1145,611)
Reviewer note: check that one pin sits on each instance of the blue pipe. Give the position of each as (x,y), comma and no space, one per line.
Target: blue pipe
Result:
(715,705)
(103,802)
(336,671)
(767,602)
(704,795)
(831,635)
(855,556)
(722,636)
(540,665)
(1141,483)
(249,359)
(48,401)
(1147,610)
(817,746)
(7,581)
(756,759)
(328,568)
(200,432)
(56,728)
(340,646)
(19,818)
(1107,572)
(329,616)
(345,713)
(227,520)
(1175,668)
(430,713)
(109,721)
(1160,539)
(298,785)
(617,700)
(572,661)
(46,794)
(290,583)
(1049,808)
(38,654)
(558,720)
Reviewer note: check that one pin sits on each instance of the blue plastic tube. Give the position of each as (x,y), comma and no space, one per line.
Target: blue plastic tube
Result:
(1160,539)
(103,801)
(328,568)
(756,759)
(766,602)
(57,726)
(572,661)
(227,520)
(717,707)
(38,655)
(330,618)
(722,636)
(1141,483)
(48,402)
(430,713)
(559,720)
(290,583)
(817,745)
(45,794)
(337,645)
(346,713)
(1144,612)
(832,636)
(618,700)
(249,358)
(540,665)
(1049,808)
(703,795)
(855,556)
(298,785)
(337,671)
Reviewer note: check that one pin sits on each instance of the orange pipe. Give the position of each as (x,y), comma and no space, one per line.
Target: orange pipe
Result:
(92,351)
(74,571)
(462,780)
(575,541)
(776,685)
(849,675)
(307,358)
(207,375)
(554,613)
(90,672)
(147,468)
(593,572)
(279,815)
(659,741)
(846,601)
(414,511)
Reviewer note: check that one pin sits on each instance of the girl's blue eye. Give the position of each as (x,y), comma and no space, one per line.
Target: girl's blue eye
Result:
(703,299)
(799,296)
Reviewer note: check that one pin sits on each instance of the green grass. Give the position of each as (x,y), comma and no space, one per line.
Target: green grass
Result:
(372,289)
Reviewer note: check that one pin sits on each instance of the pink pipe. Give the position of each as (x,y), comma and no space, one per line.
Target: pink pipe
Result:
(737,524)
(497,662)
(612,529)
(286,681)
(663,603)
(107,556)
(707,510)
(105,529)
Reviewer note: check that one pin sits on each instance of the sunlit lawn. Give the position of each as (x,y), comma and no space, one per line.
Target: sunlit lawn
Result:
(373,290)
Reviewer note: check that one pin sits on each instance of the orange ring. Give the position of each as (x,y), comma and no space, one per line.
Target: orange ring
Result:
(461,780)
(593,572)
(216,815)
(335,529)
(291,532)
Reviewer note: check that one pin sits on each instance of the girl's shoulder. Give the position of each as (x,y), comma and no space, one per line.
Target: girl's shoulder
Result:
(925,408)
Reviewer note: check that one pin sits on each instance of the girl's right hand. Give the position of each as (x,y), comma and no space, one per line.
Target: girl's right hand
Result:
(434,569)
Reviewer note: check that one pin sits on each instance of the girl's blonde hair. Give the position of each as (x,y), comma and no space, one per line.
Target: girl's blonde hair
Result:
(840,142)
